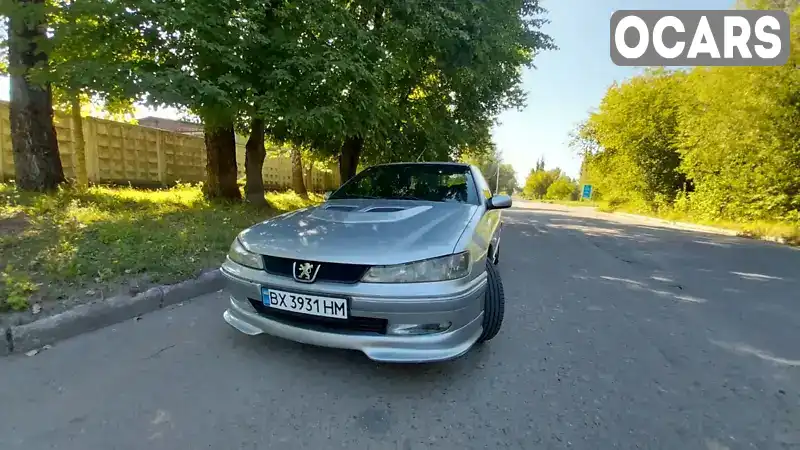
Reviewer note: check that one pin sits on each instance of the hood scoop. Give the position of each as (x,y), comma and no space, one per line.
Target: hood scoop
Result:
(366,214)
(384,209)
(374,209)
(346,208)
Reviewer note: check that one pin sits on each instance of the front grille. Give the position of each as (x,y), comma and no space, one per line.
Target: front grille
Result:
(332,272)
(351,324)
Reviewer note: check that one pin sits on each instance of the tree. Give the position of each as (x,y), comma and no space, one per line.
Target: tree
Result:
(37,162)
(81,70)
(451,70)
(786,5)
(380,80)
(563,188)
(508,179)
(286,53)
(255,153)
(195,60)
(91,54)
(718,143)
(488,160)
(740,138)
(637,125)
(538,182)
(319,89)
(477,49)
(742,152)
(298,184)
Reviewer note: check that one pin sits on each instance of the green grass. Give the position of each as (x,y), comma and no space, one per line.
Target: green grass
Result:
(55,245)
(788,232)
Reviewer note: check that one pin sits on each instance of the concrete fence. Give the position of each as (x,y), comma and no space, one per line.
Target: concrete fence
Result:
(118,152)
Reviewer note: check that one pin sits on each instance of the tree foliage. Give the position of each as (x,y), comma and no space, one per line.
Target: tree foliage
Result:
(92,53)
(563,188)
(539,181)
(720,143)
(489,161)
(549,184)
(371,80)
(37,163)
(415,80)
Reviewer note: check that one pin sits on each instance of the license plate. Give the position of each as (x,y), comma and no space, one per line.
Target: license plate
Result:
(314,305)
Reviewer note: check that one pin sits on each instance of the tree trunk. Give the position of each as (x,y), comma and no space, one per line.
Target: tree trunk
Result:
(310,177)
(348,158)
(78,143)
(297,173)
(221,162)
(37,163)
(254,162)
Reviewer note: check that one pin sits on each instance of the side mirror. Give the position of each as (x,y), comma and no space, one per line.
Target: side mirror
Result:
(499,202)
(327,195)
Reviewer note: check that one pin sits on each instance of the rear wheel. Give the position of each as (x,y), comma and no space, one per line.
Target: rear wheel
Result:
(494,304)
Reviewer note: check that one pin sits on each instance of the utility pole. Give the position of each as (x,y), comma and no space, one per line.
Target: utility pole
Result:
(497,182)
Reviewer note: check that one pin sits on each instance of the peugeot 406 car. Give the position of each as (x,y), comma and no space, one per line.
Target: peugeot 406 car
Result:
(398,263)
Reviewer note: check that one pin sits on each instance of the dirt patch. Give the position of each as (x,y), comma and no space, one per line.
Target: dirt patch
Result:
(46,303)
(12,225)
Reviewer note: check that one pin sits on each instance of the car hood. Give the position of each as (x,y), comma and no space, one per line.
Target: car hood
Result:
(370,232)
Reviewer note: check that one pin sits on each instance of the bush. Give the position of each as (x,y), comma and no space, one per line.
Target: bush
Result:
(562,189)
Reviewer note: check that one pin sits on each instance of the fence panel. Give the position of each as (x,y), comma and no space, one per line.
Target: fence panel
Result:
(120,153)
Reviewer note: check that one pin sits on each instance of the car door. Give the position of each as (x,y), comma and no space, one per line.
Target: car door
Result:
(488,229)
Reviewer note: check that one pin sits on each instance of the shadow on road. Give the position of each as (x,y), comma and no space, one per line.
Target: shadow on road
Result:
(744,285)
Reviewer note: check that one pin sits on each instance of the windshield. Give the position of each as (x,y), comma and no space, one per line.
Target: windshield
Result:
(430,182)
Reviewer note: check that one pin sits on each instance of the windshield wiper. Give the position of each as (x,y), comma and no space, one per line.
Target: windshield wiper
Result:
(406,197)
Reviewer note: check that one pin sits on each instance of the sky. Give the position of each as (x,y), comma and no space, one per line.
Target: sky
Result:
(566,85)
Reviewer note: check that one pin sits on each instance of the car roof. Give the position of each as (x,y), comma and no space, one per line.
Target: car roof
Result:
(424,163)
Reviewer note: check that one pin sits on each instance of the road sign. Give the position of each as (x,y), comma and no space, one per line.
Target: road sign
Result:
(587,191)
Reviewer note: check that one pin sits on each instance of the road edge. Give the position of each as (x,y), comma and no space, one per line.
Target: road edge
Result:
(93,316)
(674,225)
(707,229)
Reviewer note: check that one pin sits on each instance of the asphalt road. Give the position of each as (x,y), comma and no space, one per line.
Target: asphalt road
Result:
(617,335)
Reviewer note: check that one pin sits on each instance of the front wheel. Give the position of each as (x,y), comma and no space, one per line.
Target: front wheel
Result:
(494,304)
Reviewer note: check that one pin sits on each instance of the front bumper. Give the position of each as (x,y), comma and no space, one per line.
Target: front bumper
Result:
(459,302)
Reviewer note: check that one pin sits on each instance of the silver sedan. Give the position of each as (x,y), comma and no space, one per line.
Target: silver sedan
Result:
(398,263)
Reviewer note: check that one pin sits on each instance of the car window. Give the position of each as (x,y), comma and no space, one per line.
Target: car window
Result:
(431,182)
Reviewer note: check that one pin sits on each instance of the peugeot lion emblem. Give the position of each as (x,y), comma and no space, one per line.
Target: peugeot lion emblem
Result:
(305,272)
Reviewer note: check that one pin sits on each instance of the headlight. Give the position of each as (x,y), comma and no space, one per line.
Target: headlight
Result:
(241,255)
(445,268)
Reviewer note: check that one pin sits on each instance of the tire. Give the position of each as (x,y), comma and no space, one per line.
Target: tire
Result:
(494,305)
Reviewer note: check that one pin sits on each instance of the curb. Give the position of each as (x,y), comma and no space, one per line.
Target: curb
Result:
(93,316)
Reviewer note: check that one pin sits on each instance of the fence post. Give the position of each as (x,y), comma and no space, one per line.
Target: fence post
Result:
(90,144)
(162,160)
(2,147)
(310,176)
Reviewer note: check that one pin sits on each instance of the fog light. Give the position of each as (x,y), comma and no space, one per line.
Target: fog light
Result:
(425,328)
